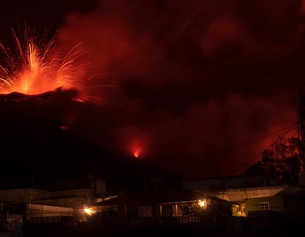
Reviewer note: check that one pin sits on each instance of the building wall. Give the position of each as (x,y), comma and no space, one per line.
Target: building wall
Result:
(276,204)
(294,208)
(22,195)
(41,211)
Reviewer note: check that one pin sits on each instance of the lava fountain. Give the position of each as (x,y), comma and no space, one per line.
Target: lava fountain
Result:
(34,67)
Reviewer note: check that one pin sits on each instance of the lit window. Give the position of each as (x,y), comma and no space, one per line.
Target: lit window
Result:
(264,206)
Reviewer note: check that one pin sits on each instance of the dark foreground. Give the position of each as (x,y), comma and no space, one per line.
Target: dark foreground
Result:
(241,228)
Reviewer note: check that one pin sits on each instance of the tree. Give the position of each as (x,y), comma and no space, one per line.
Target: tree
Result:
(280,162)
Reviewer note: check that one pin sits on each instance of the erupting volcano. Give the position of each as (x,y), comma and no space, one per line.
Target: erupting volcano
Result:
(35,67)
(202,95)
(40,87)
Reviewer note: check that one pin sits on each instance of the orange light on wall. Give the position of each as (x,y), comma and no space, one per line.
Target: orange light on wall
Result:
(202,203)
(88,211)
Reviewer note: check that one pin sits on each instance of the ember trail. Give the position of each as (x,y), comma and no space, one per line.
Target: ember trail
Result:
(34,67)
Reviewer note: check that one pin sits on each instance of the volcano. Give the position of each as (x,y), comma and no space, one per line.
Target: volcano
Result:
(40,146)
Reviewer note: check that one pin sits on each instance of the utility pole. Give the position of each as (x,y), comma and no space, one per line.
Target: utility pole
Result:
(301,134)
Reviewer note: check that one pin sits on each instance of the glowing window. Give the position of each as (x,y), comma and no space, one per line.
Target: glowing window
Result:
(264,206)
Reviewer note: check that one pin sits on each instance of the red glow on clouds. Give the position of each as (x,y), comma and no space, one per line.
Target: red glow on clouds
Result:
(191,93)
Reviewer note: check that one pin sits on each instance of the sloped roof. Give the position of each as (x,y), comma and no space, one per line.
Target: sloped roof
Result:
(294,191)
(158,196)
(224,183)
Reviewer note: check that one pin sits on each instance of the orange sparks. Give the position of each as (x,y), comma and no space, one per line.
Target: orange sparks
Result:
(38,68)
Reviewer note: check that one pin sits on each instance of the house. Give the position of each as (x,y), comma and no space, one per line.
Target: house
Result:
(283,214)
(29,207)
(235,189)
(288,204)
(263,205)
(163,206)
(224,204)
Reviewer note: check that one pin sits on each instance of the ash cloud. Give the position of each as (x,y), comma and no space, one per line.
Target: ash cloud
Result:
(195,77)
(191,79)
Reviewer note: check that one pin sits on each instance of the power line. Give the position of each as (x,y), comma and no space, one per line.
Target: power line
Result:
(277,133)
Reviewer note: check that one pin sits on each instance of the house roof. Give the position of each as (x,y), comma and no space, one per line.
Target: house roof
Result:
(293,191)
(157,196)
(224,183)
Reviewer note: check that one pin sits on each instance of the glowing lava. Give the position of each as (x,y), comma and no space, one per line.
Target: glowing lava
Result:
(136,148)
(37,68)
(136,153)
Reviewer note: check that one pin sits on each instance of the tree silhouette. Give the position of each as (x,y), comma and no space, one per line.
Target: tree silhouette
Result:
(280,163)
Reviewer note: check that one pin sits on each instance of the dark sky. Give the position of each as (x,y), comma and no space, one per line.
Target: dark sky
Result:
(200,87)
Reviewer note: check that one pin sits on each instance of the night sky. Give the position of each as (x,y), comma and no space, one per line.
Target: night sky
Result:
(198,87)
